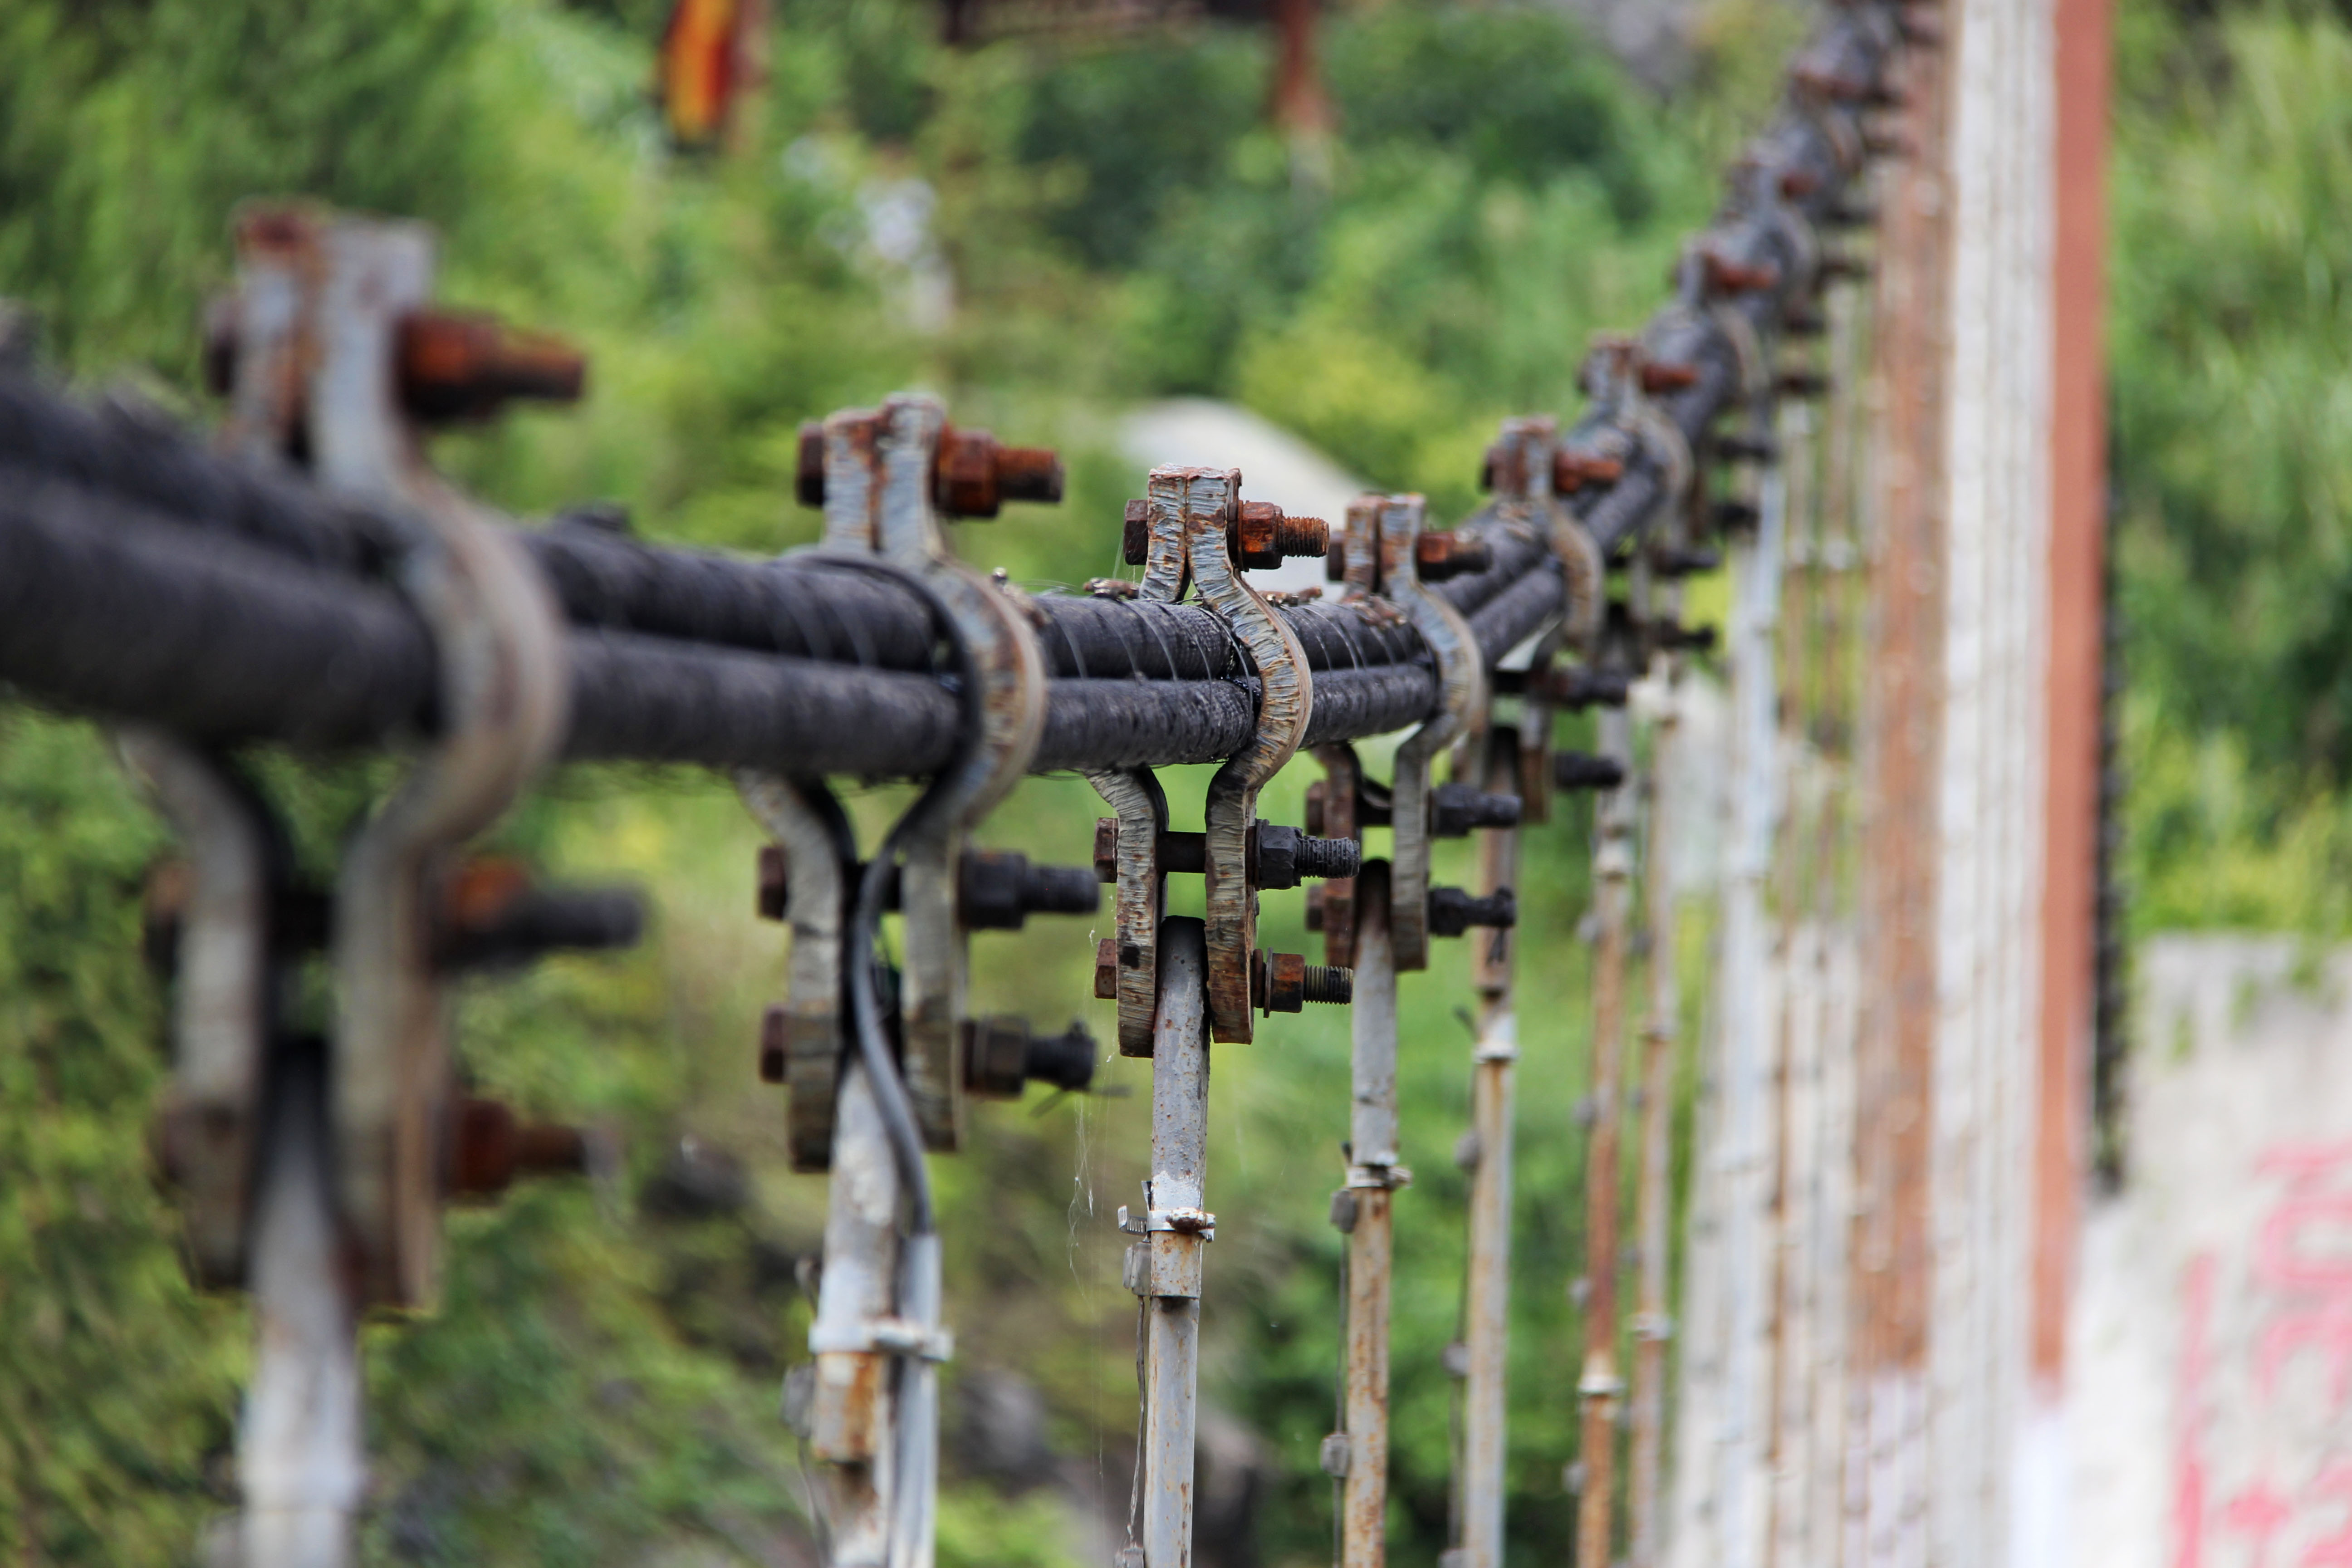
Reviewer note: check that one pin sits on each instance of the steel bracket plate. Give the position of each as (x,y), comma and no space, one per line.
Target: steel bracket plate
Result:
(814,832)
(318,312)
(1388,528)
(1208,503)
(880,500)
(1140,892)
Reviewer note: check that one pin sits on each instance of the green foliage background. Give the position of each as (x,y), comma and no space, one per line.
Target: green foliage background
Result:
(599,1384)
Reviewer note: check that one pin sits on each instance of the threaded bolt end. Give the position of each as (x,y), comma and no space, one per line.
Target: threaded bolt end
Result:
(1330,856)
(1302,536)
(1330,984)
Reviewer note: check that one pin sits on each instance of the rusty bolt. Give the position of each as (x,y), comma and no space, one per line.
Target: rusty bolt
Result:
(775,881)
(1571,471)
(466,364)
(1836,86)
(773,1035)
(1107,970)
(973,475)
(1664,376)
(1107,848)
(1725,275)
(1264,537)
(1444,554)
(808,473)
(1285,981)
(1002,1056)
(1796,184)
(488,1150)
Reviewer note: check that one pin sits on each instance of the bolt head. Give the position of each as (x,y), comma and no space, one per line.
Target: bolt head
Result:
(1134,536)
(775,881)
(808,475)
(775,1043)
(1107,970)
(1107,848)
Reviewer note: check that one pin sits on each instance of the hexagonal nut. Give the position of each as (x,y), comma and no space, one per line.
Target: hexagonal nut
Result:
(775,1044)
(1264,537)
(1134,534)
(775,888)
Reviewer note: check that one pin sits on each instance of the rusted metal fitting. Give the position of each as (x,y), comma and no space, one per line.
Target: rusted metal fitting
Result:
(491,1150)
(1720,275)
(491,914)
(775,1043)
(1264,537)
(1454,910)
(1002,1056)
(1457,808)
(1285,981)
(999,889)
(1446,554)
(1832,85)
(1284,856)
(972,475)
(466,364)
(1684,560)
(1658,377)
(1568,686)
(996,890)
(1581,770)
(449,366)
(1572,471)
(1279,856)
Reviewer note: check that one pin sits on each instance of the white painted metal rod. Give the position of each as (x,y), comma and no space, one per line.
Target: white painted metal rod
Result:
(299,1452)
(1174,1234)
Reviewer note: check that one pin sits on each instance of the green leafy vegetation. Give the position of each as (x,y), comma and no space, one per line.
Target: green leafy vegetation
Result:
(2233,398)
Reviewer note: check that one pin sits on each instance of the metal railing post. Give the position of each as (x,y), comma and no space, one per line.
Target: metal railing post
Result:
(1494,1057)
(300,1459)
(1600,1387)
(1165,1266)
(1653,1218)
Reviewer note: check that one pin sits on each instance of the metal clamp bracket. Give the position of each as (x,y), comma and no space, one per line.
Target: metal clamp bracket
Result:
(881,486)
(1382,557)
(328,334)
